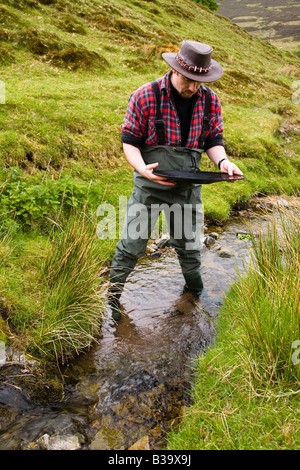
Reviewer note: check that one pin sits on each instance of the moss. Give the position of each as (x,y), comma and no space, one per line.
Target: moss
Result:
(4,331)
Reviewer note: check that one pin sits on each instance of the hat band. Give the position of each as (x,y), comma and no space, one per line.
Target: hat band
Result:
(192,68)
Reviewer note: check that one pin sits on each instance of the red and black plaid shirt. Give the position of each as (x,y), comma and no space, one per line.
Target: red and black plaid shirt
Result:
(138,127)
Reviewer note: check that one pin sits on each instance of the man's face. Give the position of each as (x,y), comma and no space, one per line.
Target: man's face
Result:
(185,87)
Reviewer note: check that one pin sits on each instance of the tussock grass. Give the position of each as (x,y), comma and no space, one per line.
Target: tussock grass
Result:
(247,386)
(73,307)
(269,331)
(269,298)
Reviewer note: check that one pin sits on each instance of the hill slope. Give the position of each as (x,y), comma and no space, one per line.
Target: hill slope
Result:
(69,68)
(273,20)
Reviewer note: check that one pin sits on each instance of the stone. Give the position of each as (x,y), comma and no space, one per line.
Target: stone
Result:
(61,442)
(224,253)
(43,442)
(141,444)
(151,249)
(106,420)
(2,353)
(8,415)
(156,432)
(209,240)
(108,439)
(145,411)
(215,235)
(156,255)
(122,409)
(162,243)
(282,202)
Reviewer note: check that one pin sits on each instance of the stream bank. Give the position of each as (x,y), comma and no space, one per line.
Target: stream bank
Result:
(131,387)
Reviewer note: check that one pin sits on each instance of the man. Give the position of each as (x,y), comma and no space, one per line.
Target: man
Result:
(162,130)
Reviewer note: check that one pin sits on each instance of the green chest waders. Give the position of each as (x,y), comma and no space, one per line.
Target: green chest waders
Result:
(181,204)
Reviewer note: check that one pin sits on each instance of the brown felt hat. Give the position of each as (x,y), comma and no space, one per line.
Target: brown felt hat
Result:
(194,62)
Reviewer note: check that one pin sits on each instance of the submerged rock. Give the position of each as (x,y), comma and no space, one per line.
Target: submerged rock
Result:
(162,242)
(225,253)
(108,439)
(209,240)
(141,444)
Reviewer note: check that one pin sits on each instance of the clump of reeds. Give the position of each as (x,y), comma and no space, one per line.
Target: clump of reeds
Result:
(73,309)
(266,305)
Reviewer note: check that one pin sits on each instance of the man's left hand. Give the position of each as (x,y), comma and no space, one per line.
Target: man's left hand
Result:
(228,167)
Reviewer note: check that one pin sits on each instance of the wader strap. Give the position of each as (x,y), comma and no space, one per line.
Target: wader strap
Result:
(206,118)
(159,123)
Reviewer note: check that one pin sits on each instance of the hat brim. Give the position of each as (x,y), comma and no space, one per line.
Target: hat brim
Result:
(213,75)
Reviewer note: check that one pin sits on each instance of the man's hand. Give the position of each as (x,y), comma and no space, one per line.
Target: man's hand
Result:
(135,159)
(147,172)
(228,167)
(217,154)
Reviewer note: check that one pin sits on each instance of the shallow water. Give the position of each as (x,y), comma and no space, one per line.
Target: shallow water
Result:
(135,382)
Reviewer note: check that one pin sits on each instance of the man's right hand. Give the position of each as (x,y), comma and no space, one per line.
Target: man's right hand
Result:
(147,172)
(135,159)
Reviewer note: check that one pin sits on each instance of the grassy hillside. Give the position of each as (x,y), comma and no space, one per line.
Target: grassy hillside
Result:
(67,69)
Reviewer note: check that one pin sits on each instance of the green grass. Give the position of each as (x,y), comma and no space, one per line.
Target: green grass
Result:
(72,310)
(51,288)
(68,69)
(246,389)
(67,114)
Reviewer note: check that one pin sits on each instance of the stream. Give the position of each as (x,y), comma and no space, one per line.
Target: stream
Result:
(128,390)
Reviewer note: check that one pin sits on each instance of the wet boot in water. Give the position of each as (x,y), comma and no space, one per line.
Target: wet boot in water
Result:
(118,275)
(194,284)
(114,294)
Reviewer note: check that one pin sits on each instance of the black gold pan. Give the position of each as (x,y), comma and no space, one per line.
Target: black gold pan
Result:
(197,176)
